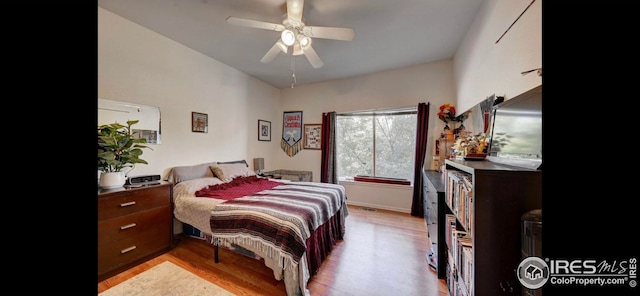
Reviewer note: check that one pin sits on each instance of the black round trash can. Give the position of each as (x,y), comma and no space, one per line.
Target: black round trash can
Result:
(532,233)
(532,241)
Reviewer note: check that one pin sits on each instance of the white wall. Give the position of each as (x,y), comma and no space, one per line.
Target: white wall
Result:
(141,66)
(404,87)
(432,83)
(482,67)
(479,69)
(138,65)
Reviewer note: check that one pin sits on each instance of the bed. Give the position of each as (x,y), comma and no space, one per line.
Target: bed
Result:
(292,226)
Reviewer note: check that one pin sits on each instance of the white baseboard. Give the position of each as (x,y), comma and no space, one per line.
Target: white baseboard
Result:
(376,206)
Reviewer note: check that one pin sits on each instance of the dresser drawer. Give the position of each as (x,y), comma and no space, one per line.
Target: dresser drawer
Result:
(128,202)
(433,236)
(119,253)
(132,225)
(432,192)
(432,216)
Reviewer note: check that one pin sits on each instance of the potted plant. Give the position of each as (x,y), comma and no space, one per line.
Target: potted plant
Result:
(118,149)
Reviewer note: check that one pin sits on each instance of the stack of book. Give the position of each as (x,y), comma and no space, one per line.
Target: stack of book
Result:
(460,199)
(459,271)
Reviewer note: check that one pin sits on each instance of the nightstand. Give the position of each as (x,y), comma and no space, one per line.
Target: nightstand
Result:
(134,225)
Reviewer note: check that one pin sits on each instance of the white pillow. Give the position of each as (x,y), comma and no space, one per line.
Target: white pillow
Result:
(226,172)
(190,172)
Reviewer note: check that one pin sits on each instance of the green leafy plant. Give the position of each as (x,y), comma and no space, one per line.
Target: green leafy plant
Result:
(118,148)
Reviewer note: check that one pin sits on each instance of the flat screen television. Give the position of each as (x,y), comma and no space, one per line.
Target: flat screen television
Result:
(516,131)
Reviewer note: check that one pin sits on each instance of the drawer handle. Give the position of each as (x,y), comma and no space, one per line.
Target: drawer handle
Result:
(128,249)
(127,226)
(126,204)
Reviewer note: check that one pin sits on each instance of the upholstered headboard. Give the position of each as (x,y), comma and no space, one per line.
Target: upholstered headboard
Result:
(184,173)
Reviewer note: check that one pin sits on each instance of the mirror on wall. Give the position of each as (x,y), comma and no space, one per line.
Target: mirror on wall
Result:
(477,119)
(149,123)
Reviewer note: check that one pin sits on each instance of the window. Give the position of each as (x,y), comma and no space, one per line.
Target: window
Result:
(376,143)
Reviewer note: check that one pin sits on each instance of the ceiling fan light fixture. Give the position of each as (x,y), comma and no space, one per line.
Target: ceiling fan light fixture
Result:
(304,41)
(288,37)
(297,49)
(295,37)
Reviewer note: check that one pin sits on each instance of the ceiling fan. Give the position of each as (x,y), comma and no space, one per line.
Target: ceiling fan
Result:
(296,37)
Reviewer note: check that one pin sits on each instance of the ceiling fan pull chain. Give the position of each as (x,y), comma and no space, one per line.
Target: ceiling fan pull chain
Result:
(293,71)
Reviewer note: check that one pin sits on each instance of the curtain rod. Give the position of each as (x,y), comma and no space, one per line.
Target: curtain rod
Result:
(378,110)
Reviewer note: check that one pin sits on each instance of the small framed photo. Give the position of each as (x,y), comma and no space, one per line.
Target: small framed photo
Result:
(264,130)
(199,122)
(312,136)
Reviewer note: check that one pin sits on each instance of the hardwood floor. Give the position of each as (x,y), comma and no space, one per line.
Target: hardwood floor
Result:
(383,253)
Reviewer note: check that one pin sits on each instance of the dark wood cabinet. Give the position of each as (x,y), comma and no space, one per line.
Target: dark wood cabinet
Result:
(433,205)
(134,224)
(500,194)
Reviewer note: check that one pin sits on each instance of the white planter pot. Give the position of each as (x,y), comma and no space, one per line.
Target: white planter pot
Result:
(112,180)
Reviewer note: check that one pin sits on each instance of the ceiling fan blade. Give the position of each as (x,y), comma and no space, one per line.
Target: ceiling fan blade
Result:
(335,33)
(272,53)
(254,24)
(294,9)
(313,57)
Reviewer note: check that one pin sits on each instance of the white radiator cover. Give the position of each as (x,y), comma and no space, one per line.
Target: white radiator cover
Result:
(380,196)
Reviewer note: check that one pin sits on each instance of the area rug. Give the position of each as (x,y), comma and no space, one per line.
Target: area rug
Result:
(167,279)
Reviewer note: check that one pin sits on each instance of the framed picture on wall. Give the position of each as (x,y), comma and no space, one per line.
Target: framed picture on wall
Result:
(312,139)
(199,122)
(264,130)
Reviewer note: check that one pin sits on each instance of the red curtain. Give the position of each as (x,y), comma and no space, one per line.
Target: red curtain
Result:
(328,146)
(422,132)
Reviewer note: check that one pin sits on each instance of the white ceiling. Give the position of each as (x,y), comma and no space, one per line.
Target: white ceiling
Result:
(389,34)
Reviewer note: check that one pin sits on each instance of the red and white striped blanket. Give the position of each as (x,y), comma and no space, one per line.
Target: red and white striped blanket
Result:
(277,220)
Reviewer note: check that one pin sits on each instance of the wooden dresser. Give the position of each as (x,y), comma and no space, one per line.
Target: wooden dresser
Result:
(434,205)
(134,225)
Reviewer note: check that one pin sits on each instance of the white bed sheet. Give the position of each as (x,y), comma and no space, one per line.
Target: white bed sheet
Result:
(193,210)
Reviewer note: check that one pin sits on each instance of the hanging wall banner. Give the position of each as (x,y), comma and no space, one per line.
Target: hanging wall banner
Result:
(291,132)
